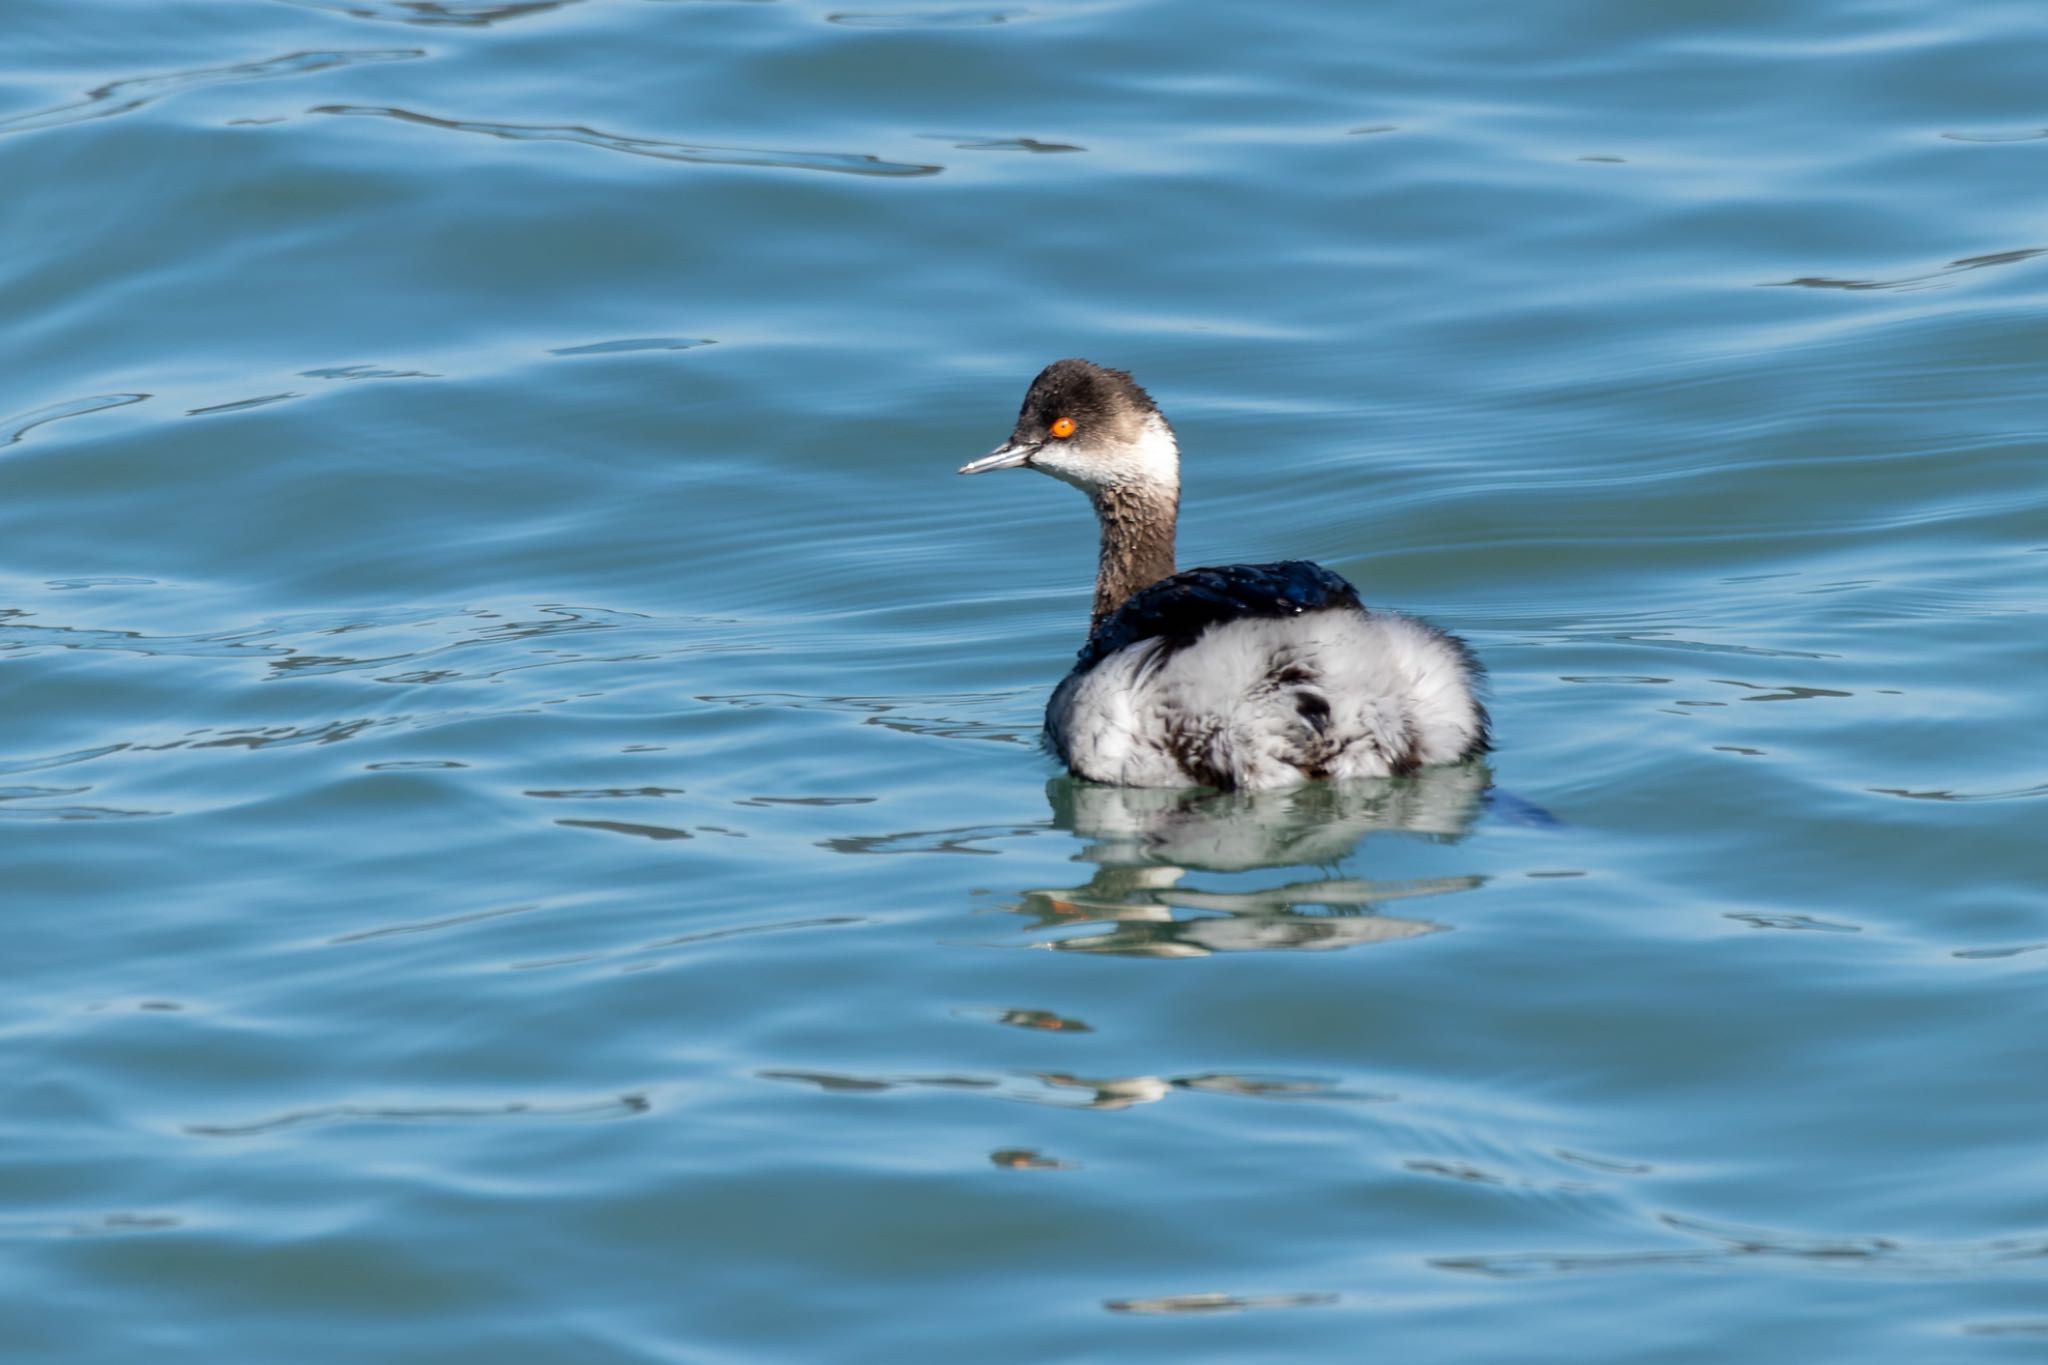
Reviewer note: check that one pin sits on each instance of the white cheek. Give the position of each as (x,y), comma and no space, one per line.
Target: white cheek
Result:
(1071,464)
(1152,459)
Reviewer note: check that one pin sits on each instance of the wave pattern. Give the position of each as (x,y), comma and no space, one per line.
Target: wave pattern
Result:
(844,163)
(139,92)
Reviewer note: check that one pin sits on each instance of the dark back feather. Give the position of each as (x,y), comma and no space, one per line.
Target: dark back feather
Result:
(1178,609)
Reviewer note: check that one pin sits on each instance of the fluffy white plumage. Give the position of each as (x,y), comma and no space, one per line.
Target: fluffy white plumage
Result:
(1263,702)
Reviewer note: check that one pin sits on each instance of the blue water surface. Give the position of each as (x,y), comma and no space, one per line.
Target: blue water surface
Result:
(520,811)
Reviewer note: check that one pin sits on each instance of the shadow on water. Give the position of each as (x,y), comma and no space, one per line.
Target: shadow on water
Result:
(1146,844)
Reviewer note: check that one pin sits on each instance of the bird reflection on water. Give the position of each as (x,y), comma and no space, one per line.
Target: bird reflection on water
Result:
(1147,842)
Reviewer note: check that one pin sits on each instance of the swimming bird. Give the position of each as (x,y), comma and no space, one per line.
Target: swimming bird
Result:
(1240,676)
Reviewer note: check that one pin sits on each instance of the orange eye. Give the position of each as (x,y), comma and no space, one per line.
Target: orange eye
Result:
(1063,428)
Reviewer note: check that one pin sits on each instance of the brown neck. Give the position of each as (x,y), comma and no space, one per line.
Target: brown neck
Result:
(1137,543)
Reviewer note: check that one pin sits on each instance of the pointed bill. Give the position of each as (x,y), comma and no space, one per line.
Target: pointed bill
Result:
(1008,457)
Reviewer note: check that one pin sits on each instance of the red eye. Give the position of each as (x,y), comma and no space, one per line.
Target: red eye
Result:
(1063,428)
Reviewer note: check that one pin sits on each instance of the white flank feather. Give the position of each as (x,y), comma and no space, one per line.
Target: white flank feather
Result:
(1384,693)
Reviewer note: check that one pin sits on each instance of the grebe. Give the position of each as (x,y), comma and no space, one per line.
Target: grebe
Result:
(1247,675)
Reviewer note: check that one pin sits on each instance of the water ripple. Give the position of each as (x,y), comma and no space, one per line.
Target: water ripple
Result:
(969,143)
(2024,135)
(22,425)
(1734,1246)
(1217,1303)
(15,636)
(1064,1090)
(1781,691)
(1942,794)
(436,13)
(126,96)
(614,1107)
(490,644)
(85,581)
(636,344)
(845,163)
(89,1227)
(433,925)
(930,18)
(1757,919)
(883,711)
(960,839)
(240,404)
(75,813)
(656,832)
(280,736)
(350,372)
(689,939)
(34,765)
(1993,954)
(1933,279)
